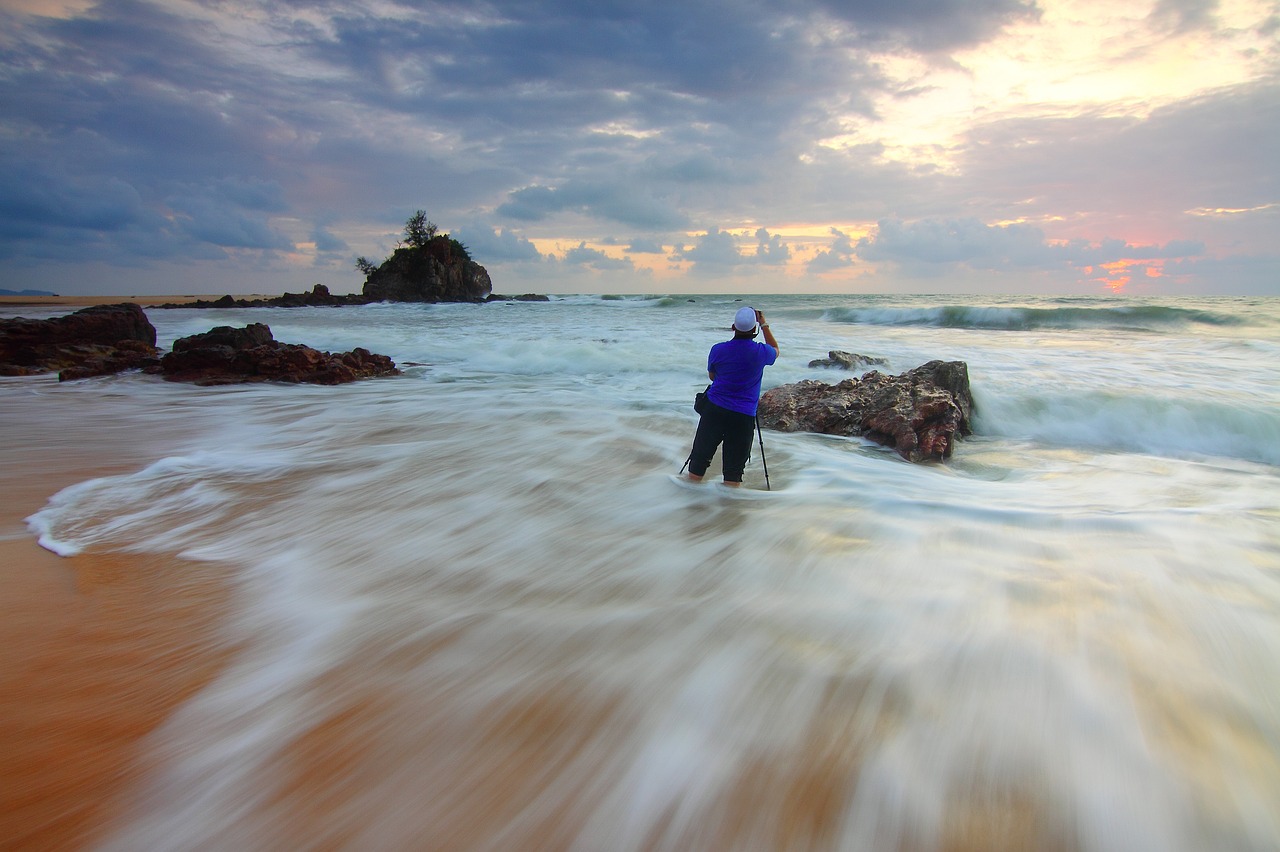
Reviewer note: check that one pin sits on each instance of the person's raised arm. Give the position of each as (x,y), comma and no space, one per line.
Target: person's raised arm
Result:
(768,335)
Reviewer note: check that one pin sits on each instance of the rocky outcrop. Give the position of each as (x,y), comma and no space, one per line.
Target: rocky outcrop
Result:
(920,413)
(318,297)
(90,342)
(226,355)
(526,297)
(847,360)
(432,272)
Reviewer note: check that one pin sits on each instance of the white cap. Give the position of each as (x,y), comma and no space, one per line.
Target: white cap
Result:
(745,319)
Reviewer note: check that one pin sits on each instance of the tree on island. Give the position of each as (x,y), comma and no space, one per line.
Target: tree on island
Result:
(427,266)
(419,233)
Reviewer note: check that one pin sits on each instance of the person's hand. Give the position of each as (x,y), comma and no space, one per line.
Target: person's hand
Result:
(759,318)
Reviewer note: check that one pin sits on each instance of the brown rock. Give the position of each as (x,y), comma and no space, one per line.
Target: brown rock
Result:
(318,297)
(226,355)
(429,273)
(919,413)
(90,342)
(254,334)
(847,360)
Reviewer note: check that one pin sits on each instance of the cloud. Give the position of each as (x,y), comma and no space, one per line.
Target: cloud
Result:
(499,245)
(770,249)
(231,214)
(1184,15)
(33,202)
(628,205)
(1252,275)
(642,245)
(206,221)
(135,131)
(840,255)
(327,242)
(581,255)
(716,252)
(932,25)
(1207,152)
(953,241)
(935,247)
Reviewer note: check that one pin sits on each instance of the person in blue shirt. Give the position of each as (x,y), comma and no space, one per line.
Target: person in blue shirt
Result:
(736,368)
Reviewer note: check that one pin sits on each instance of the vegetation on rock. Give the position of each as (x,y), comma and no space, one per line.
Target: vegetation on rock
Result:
(427,266)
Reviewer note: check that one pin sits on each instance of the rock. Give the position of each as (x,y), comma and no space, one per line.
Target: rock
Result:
(847,360)
(318,297)
(127,355)
(433,272)
(919,413)
(226,355)
(90,342)
(253,335)
(527,297)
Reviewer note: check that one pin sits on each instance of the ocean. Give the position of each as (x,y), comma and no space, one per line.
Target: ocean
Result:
(473,610)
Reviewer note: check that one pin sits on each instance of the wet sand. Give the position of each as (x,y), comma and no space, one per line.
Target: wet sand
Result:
(96,651)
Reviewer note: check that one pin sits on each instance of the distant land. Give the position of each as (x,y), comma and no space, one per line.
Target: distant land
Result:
(26,293)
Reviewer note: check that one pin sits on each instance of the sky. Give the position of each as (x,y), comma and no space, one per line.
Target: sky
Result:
(1072,147)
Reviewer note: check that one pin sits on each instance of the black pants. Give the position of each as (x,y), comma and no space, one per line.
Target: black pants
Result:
(732,428)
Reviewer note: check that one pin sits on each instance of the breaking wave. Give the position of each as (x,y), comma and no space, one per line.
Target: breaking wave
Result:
(1001,318)
(1111,421)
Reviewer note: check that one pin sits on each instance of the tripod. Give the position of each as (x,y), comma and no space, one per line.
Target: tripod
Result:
(763,461)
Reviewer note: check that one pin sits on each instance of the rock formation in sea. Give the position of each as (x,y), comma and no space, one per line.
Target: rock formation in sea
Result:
(226,355)
(107,339)
(318,297)
(919,413)
(437,270)
(524,297)
(847,360)
(90,342)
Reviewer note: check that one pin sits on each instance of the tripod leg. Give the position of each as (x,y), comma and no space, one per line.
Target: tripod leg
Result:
(762,458)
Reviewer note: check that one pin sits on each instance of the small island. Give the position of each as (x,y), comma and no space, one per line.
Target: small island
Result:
(427,266)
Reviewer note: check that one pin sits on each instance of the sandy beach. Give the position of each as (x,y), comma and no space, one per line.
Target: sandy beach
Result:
(96,650)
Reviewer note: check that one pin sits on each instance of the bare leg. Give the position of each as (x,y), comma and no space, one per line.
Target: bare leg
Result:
(693,477)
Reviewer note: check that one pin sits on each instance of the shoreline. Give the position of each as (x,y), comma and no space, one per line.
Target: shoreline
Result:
(96,652)
(89,301)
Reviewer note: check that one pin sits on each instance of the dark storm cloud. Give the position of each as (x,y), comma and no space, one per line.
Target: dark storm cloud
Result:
(132,93)
(33,201)
(332,96)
